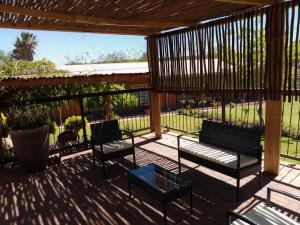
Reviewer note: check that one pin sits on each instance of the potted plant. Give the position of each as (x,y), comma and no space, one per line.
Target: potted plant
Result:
(30,136)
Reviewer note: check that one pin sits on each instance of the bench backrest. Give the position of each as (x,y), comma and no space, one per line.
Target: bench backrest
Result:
(229,136)
(106,132)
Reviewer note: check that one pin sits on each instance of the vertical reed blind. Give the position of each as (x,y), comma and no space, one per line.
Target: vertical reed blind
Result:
(291,68)
(226,57)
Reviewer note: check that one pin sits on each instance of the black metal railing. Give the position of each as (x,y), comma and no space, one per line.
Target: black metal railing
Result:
(77,112)
(290,132)
(185,113)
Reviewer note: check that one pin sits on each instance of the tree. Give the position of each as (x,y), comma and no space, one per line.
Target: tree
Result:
(3,57)
(25,47)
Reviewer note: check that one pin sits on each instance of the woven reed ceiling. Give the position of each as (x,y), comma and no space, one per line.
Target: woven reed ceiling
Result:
(139,17)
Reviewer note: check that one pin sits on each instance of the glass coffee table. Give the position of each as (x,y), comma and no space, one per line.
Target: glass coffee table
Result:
(161,184)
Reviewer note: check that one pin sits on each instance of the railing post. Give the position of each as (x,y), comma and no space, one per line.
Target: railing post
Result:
(223,110)
(82,113)
(156,114)
(274,39)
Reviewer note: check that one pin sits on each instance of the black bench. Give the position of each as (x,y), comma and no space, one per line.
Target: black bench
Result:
(229,149)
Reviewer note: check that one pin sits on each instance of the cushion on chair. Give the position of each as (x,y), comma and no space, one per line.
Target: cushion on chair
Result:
(114,146)
(217,155)
(264,215)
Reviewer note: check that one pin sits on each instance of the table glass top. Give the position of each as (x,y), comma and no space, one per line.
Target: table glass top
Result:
(159,178)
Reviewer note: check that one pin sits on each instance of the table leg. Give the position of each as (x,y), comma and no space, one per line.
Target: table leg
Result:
(191,202)
(129,189)
(165,212)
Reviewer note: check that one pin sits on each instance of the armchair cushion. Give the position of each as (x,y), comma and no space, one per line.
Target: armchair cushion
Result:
(263,214)
(106,132)
(217,155)
(114,146)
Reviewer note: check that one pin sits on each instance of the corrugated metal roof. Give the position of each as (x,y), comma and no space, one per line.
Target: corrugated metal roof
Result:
(107,69)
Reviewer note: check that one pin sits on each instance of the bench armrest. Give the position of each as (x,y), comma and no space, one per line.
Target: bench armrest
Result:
(232,215)
(270,190)
(128,133)
(196,133)
(259,147)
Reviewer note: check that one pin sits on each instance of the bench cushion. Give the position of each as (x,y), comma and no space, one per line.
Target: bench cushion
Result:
(217,155)
(264,215)
(114,146)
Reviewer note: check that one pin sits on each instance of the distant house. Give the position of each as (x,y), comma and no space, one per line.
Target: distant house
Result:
(106,68)
(120,68)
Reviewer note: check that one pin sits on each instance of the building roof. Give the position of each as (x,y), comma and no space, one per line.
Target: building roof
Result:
(116,17)
(121,73)
(107,68)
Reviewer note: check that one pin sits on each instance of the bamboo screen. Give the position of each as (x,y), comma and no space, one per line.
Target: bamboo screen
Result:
(226,57)
(291,68)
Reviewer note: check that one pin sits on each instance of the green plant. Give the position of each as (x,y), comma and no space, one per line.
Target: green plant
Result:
(202,102)
(3,126)
(181,111)
(74,123)
(27,117)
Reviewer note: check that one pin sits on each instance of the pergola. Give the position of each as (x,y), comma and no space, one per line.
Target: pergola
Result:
(174,55)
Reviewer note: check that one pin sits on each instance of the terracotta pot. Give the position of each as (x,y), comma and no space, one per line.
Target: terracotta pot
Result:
(32,147)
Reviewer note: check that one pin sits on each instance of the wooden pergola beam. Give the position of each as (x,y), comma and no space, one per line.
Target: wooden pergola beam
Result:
(87,19)
(68,28)
(92,79)
(244,2)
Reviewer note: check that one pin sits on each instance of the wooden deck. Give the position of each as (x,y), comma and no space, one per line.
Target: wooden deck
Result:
(73,193)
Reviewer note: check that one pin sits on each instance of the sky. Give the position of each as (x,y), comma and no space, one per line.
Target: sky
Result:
(58,45)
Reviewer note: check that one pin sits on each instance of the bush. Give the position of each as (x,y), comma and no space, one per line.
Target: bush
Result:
(74,123)
(21,67)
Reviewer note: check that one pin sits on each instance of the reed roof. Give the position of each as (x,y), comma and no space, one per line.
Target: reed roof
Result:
(133,17)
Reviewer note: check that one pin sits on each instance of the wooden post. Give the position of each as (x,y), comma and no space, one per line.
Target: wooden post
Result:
(274,39)
(272,136)
(156,113)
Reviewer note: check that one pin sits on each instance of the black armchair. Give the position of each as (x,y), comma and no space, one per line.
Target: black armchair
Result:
(263,214)
(107,143)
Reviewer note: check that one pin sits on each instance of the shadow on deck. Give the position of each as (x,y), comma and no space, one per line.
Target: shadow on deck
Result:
(74,193)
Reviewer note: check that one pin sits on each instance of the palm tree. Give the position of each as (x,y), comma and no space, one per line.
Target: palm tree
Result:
(25,47)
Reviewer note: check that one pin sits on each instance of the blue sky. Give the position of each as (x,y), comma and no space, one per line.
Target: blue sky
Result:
(58,45)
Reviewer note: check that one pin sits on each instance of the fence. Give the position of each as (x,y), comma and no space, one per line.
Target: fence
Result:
(130,107)
(186,113)
(179,113)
